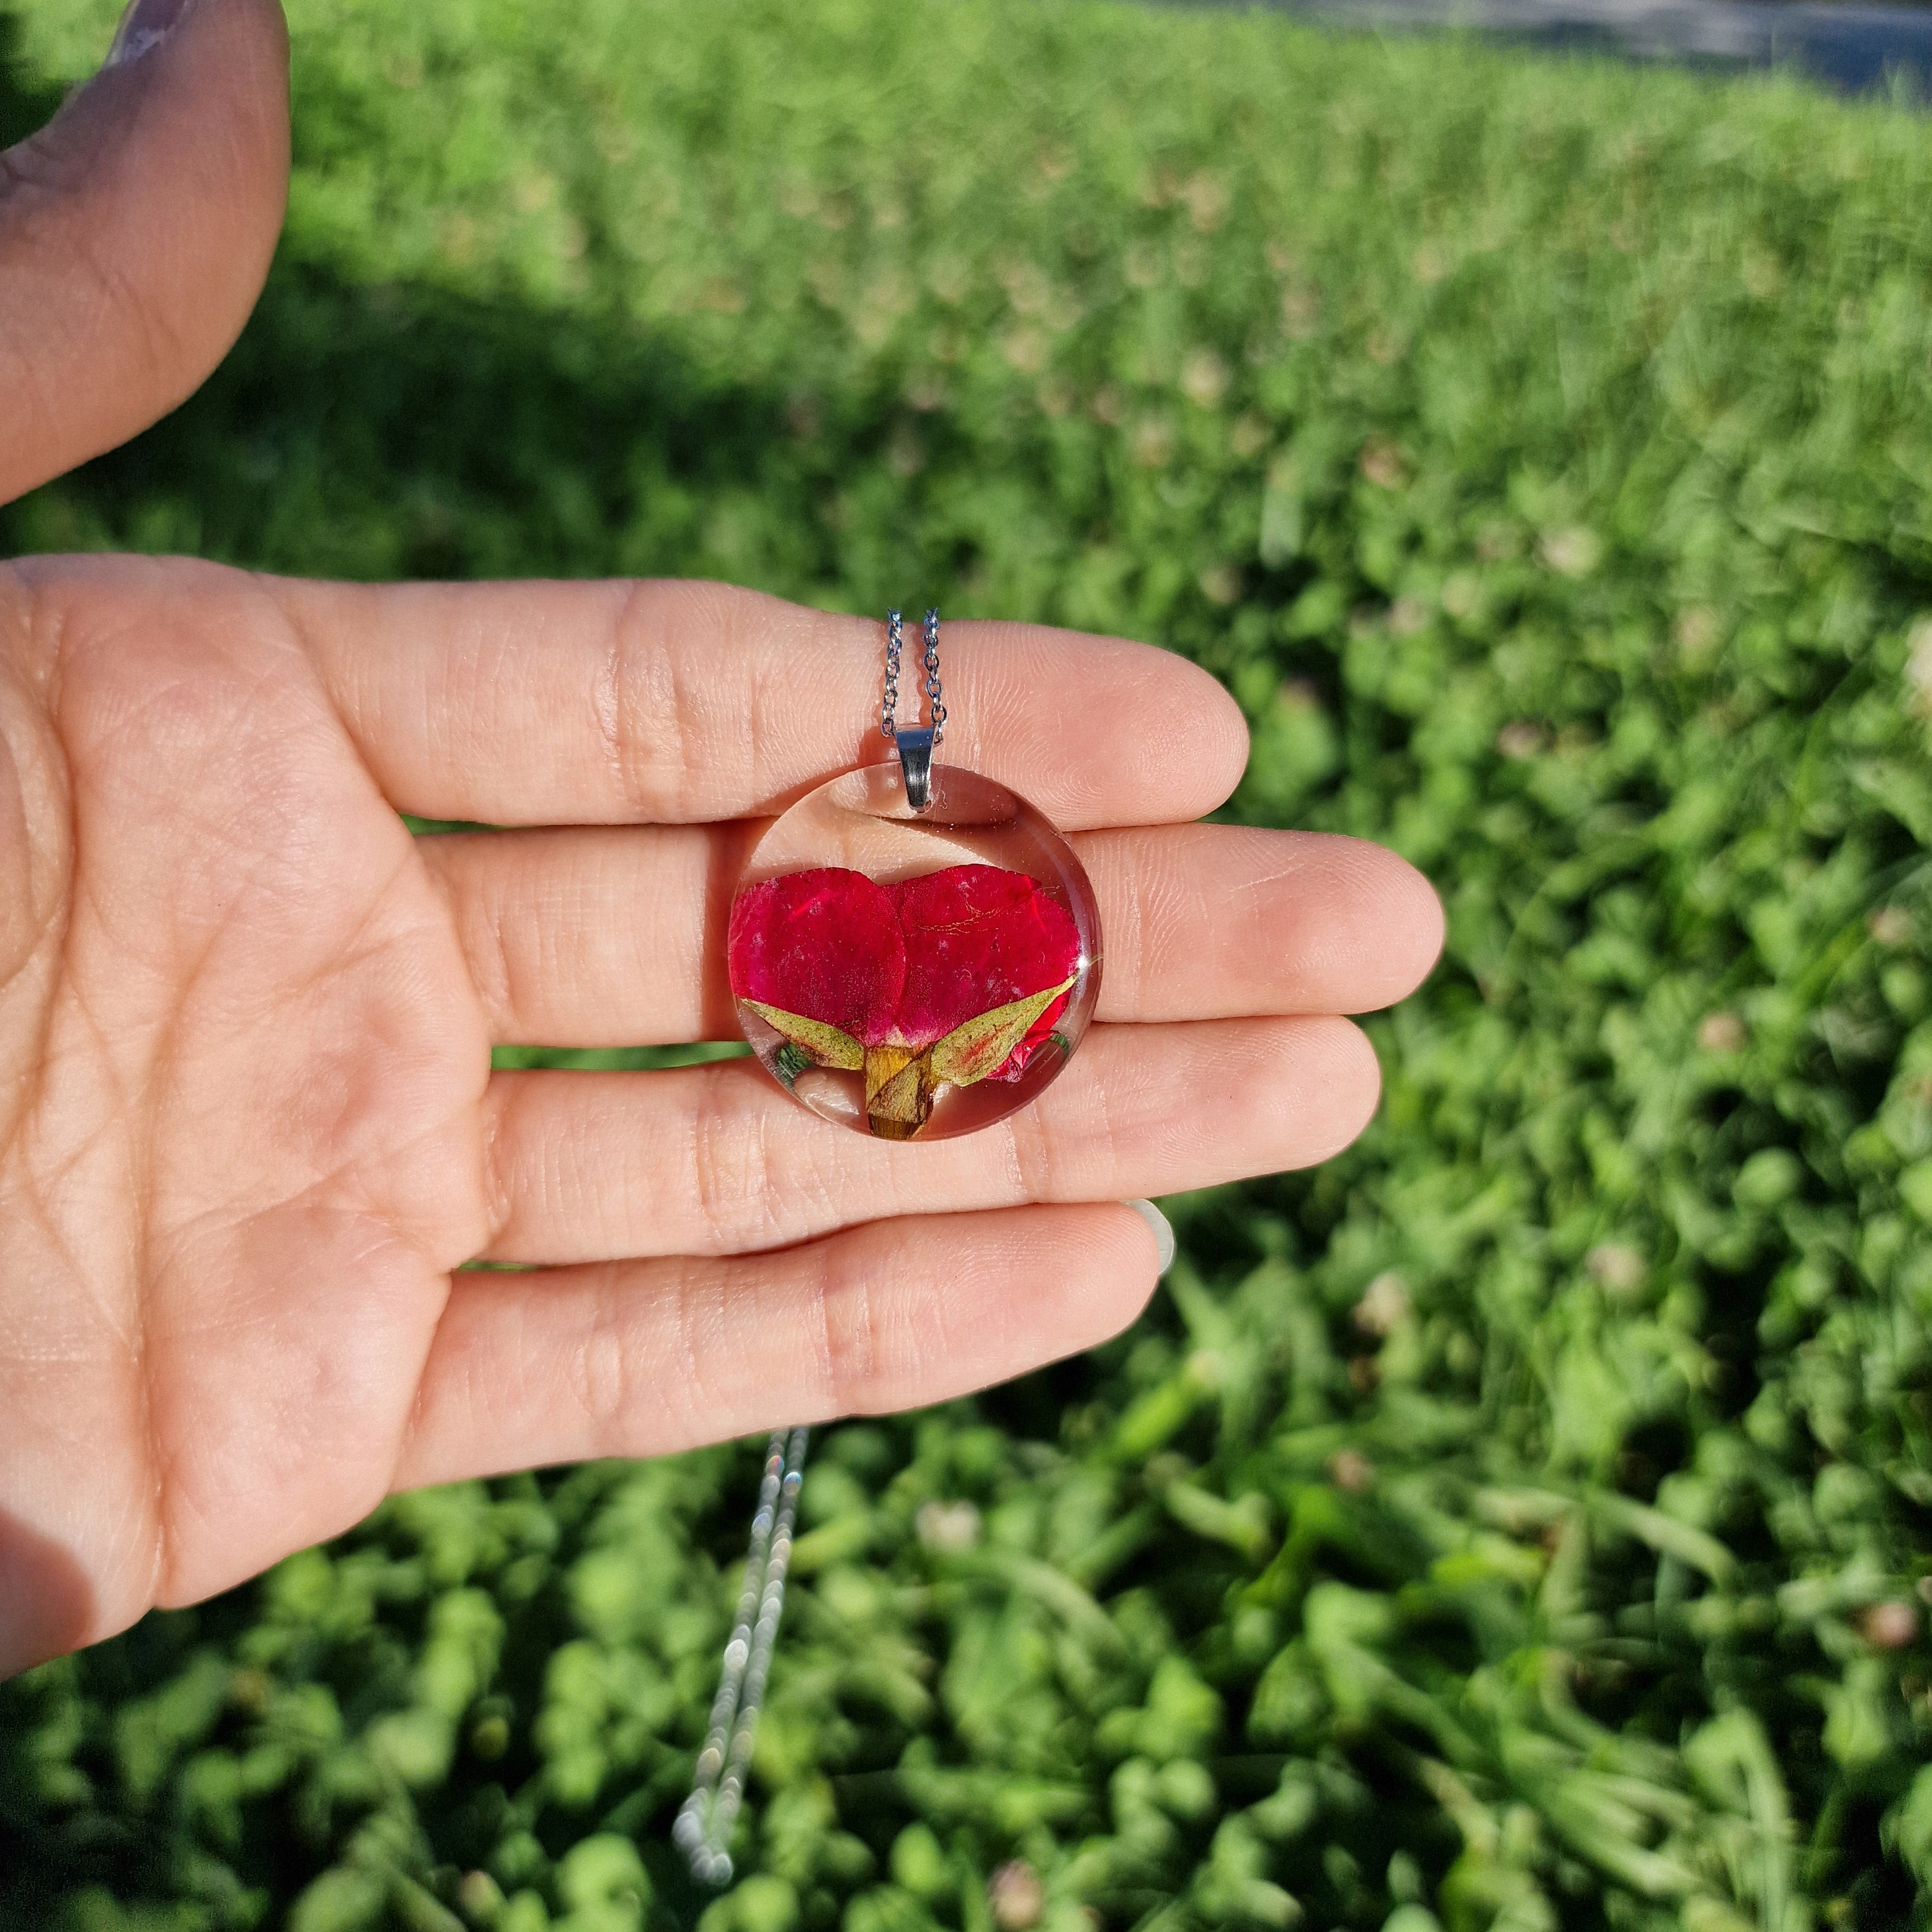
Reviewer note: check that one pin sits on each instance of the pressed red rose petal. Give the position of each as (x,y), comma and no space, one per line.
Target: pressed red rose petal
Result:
(825,944)
(977,936)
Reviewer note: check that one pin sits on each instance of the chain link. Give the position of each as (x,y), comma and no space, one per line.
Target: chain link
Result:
(937,710)
(889,711)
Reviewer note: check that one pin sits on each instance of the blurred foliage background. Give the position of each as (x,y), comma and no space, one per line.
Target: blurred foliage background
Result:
(1522,1522)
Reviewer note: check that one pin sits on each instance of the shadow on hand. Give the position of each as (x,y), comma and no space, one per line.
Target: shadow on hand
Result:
(47,1605)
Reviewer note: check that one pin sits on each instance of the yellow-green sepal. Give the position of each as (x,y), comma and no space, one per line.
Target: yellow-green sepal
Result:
(826,1045)
(985,1043)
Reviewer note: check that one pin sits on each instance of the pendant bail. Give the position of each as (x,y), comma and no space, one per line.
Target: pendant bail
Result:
(915,744)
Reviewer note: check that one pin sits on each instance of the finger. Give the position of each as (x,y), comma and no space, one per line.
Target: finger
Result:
(630,702)
(594,938)
(715,1160)
(136,229)
(638,1358)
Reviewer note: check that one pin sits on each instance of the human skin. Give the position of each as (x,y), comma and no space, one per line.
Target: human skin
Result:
(248,1127)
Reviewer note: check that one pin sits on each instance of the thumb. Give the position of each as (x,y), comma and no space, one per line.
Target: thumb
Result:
(136,229)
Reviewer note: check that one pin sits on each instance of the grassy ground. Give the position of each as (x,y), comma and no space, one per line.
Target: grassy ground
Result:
(1522,1523)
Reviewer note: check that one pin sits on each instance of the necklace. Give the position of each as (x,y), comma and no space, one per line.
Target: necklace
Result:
(914,949)
(915,953)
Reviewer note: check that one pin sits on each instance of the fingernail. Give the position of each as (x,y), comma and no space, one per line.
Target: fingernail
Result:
(1163,1230)
(146,24)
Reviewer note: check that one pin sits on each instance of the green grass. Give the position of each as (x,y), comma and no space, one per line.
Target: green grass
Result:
(1524,1521)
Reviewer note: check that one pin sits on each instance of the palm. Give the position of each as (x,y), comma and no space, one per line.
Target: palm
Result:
(236,1205)
(251,1127)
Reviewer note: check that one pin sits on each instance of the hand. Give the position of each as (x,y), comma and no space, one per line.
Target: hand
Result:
(248,1126)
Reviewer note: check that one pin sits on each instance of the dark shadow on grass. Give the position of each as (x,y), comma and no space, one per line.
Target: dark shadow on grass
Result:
(395,431)
(390,430)
(27,102)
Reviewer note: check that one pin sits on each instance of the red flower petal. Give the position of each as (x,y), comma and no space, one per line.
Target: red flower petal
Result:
(825,944)
(977,936)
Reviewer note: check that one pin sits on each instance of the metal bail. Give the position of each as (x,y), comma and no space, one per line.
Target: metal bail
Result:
(915,744)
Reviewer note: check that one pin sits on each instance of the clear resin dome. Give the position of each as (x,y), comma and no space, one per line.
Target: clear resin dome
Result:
(913,975)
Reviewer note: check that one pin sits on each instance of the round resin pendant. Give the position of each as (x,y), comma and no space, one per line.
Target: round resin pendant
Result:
(914,974)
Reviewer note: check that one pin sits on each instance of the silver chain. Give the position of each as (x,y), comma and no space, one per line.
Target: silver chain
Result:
(889,711)
(704,1821)
(938,710)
